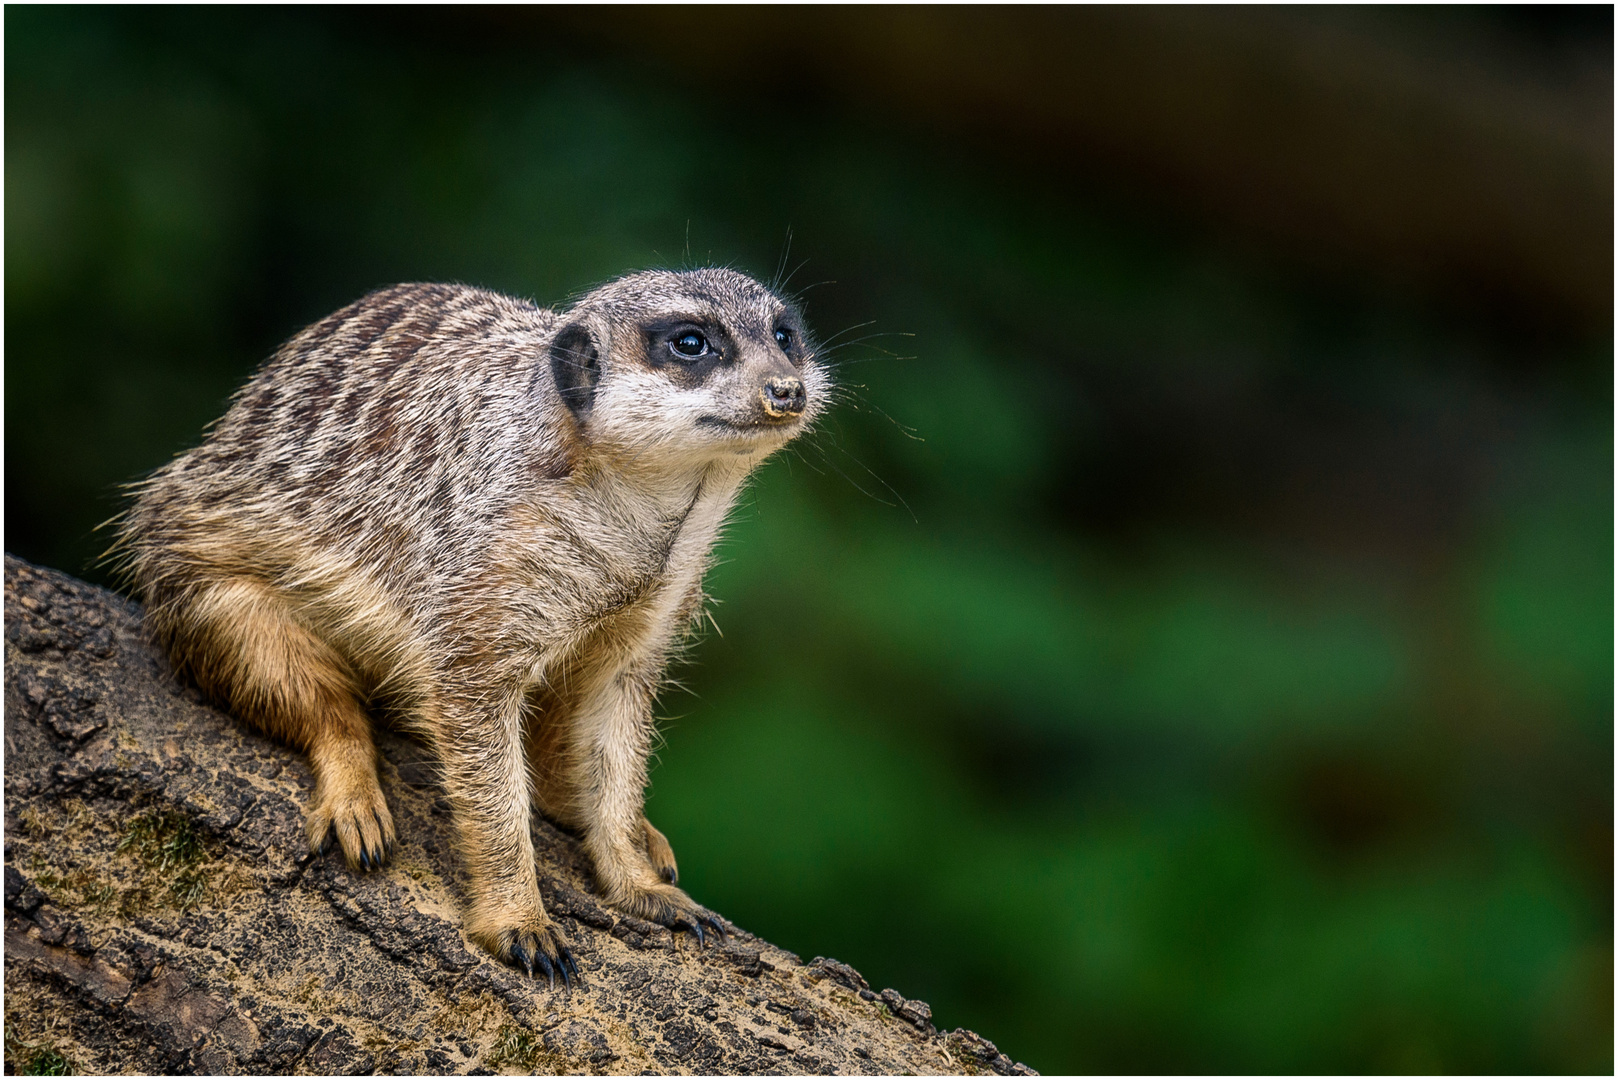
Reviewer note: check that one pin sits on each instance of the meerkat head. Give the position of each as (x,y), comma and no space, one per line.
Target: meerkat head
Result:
(688,365)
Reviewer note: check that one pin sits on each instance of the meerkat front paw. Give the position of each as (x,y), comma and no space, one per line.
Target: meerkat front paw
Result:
(534,944)
(660,854)
(671,907)
(360,817)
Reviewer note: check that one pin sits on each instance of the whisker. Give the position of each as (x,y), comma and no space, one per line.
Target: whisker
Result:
(798,295)
(869,471)
(776,284)
(839,346)
(847,330)
(793,272)
(905,429)
(851,481)
(796,450)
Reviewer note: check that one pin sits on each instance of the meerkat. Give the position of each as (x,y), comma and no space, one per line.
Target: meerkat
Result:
(491,519)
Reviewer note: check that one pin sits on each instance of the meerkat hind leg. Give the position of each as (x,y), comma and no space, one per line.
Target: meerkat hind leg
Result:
(285,680)
(349,799)
(548,753)
(626,850)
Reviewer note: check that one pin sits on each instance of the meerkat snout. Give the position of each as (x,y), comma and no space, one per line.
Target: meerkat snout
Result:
(783,396)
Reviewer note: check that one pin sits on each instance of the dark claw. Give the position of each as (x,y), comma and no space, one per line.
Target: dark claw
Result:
(669,874)
(572,964)
(682,923)
(546,966)
(520,955)
(718,927)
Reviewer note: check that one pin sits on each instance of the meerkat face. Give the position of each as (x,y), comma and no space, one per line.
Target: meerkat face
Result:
(700,364)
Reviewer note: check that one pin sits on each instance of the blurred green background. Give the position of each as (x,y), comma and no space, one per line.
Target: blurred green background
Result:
(1200,655)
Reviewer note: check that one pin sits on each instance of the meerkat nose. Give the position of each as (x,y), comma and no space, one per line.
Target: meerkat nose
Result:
(783,396)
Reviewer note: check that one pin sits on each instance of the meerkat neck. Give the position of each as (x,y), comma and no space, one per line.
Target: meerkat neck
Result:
(668,485)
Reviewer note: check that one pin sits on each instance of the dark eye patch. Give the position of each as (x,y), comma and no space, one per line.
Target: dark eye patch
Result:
(790,337)
(688,348)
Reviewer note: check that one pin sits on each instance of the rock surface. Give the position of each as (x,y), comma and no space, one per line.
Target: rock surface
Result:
(162,914)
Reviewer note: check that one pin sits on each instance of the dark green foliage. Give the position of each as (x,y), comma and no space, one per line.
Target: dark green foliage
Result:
(519,1048)
(1187,664)
(165,839)
(47,1062)
(34,1059)
(167,842)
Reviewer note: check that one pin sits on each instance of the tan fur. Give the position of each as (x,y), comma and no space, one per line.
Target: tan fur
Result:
(493,520)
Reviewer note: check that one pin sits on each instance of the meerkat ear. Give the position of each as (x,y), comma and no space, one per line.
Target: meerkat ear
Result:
(576,367)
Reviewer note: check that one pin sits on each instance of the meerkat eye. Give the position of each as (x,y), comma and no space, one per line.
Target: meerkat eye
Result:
(690,344)
(783,336)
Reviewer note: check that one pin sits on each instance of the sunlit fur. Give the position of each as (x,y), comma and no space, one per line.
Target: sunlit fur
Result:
(400,510)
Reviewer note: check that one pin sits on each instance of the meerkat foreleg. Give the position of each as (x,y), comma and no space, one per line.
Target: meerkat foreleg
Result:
(612,738)
(244,645)
(480,742)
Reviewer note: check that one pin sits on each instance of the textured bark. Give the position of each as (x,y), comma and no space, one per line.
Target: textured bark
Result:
(163,915)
